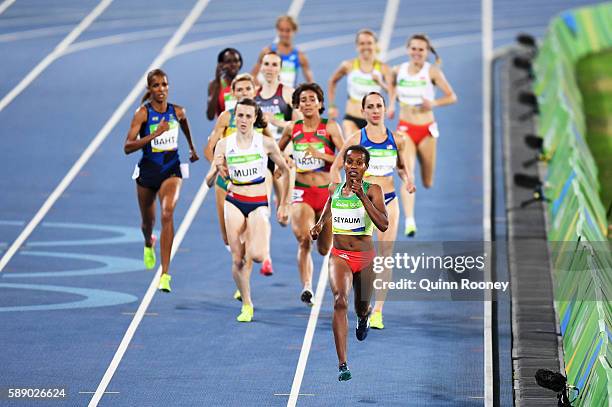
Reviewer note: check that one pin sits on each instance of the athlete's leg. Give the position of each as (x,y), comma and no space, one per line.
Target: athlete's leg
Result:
(386,241)
(168,196)
(302,220)
(220,195)
(146,202)
(363,286)
(324,241)
(407,198)
(266,266)
(340,280)
(235,224)
(257,236)
(427,158)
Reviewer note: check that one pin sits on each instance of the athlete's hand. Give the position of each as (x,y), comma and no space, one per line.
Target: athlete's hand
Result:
(410,187)
(312,152)
(333,113)
(219,72)
(282,214)
(391,112)
(357,187)
(427,105)
(278,173)
(377,76)
(316,230)
(289,161)
(193,156)
(162,127)
(221,165)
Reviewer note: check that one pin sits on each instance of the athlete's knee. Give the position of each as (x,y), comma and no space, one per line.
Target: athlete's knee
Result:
(340,302)
(167,215)
(256,253)
(304,242)
(237,263)
(256,256)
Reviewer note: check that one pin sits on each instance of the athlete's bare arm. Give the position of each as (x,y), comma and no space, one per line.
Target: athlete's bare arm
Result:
(336,167)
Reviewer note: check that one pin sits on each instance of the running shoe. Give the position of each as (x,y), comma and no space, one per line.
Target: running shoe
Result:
(411,228)
(246,314)
(307,296)
(237,295)
(149,254)
(363,326)
(344,373)
(376,320)
(164,283)
(266,268)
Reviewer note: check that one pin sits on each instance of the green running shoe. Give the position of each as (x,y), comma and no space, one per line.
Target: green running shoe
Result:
(237,295)
(411,228)
(376,320)
(344,373)
(149,254)
(164,283)
(246,314)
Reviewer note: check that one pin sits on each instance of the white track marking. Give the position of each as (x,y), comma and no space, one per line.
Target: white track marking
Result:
(309,335)
(487,59)
(57,52)
(387,26)
(5,4)
(103,133)
(327,42)
(211,42)
(118,39)
(296,8)
(35,33)
(148,297)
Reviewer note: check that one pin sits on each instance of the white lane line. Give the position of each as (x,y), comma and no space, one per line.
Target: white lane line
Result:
(118,39)
(35,33)
(198,45)
(103,133)
(327,42)
(93,392)
(309,335)
(5,4)
(188,47)
(487,59)
(296,8)
(59,49)
(387,26)
(148,297)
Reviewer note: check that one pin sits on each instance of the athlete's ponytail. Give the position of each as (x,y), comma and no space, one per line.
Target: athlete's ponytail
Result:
(260,120)
(152,74)
(424,37)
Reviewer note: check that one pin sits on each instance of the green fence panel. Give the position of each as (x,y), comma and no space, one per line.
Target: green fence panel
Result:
(577,231)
